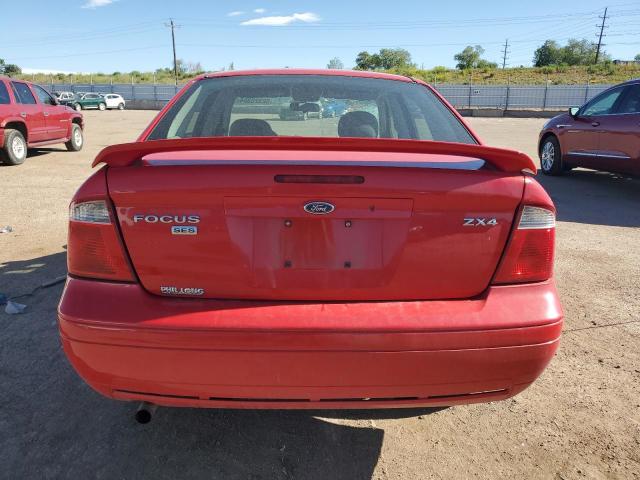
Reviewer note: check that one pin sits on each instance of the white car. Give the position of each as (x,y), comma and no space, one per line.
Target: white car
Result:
(114,100)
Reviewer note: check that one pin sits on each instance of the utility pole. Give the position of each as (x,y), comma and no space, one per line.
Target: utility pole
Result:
(505,52)
(173,26)
(602,27)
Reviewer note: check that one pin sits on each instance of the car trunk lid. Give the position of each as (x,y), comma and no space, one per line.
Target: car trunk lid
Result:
(316,225)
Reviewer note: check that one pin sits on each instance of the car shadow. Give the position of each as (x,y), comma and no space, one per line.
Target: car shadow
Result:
(593,197)
(54,426)
(36,152)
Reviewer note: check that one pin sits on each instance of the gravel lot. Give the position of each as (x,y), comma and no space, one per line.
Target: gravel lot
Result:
(580,420)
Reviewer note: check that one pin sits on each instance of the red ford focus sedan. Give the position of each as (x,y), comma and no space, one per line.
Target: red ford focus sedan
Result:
(382,258)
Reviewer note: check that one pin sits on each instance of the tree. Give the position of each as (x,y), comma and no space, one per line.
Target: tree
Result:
(637,58)
(9,68)
(385,59)
(335,63)
(471,57)
(549,53)
(394,58)
(366,61)
(579,52)
(575,52)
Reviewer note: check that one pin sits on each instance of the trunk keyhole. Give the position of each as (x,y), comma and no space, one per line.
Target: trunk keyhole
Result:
(347,223)
(288,223)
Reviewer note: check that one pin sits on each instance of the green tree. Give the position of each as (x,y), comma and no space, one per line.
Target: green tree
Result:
(394,58)
(637,58)
(366,61)
(579,52)
(549,53)
(471,57)
(335,64)
(385,59)
(9,68)
(575,52)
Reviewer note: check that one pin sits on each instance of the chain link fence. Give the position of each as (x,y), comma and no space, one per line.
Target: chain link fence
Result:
(499,97)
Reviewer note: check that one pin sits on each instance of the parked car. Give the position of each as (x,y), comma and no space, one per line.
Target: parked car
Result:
(333,108)
(113,100)
(300,111)
(66,98)
(30,117)
(226,260)
(603,134)
(90,100)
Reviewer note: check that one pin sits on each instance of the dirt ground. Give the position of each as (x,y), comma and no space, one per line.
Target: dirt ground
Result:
(581,419)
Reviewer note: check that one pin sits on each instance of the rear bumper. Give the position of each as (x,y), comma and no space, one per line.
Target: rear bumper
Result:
(131,345)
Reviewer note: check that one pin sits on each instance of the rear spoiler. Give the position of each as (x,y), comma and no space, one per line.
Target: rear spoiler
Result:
(504,160)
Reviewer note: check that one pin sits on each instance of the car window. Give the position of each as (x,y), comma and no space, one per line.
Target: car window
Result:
(602,104)
(43,95)
(23,93)
(4,94)
(310,106)
(631,101)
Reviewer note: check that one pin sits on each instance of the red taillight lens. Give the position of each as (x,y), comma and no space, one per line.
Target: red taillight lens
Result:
(529,255)
(94,249)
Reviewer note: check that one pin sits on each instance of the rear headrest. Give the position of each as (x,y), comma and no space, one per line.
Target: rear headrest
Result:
(251,127)
(358,124)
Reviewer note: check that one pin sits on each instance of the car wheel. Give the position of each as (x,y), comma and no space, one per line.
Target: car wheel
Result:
(78,107)
(102,106)
(14,151)
(121,106)
(76,141)
(550,156)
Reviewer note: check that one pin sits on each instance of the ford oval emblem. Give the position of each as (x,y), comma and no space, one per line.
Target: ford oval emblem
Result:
(319,208)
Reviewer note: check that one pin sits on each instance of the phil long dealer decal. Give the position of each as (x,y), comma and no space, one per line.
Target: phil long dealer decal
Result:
(171,290)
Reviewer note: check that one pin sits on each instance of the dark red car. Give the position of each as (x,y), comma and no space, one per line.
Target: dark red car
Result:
(382,258)
(603,134)
(30,117)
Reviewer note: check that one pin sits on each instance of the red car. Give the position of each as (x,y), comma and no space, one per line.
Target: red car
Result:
(603,134)
(383,258)
(31,117)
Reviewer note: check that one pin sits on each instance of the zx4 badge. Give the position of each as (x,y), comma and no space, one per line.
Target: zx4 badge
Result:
(480,222)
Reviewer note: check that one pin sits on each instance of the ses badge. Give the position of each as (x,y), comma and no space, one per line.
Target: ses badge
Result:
(184,230)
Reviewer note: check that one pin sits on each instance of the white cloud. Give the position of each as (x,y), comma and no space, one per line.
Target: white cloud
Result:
(277,21)
(235,13)
(260,10)
(97,3)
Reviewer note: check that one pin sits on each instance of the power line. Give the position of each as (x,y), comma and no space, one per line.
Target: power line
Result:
(602,26)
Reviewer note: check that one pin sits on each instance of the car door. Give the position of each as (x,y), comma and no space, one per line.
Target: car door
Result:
(619,147)
(585,150)
(91,100)
(56,116)
(30,111)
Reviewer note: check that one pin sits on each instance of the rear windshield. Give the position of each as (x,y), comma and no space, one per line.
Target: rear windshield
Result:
(310,106)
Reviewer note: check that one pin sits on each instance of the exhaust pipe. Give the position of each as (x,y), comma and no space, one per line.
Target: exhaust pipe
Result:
(145,412)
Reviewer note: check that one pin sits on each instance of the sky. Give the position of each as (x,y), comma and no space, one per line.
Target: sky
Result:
(124,35)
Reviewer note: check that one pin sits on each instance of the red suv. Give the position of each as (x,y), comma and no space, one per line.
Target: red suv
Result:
(603,134)
(31,117)
(381,258)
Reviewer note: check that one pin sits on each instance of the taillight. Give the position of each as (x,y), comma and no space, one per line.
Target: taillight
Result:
(94,249)
(529,254)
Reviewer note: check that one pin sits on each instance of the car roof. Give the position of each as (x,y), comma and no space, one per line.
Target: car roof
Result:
(631,82)
(300,71)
